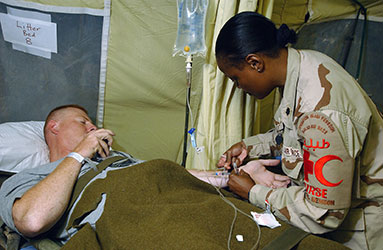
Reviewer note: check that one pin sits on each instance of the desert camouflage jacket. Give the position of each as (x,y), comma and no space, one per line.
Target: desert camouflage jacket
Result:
(329,135)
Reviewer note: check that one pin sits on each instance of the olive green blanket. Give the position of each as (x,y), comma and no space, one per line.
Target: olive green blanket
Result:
(159,205)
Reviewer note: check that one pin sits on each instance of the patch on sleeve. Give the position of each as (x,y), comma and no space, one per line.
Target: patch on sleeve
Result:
(328,168)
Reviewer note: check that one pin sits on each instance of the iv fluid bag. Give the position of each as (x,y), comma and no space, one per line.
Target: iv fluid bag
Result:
(191,28)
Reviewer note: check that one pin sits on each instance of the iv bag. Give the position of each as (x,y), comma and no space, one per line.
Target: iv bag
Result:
(191,28)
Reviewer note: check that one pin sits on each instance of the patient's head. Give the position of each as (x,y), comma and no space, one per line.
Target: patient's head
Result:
(64,129)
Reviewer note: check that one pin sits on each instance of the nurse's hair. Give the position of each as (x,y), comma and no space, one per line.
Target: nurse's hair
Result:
(248,33)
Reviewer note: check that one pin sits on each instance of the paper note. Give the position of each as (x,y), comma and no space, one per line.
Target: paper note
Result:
(28,33)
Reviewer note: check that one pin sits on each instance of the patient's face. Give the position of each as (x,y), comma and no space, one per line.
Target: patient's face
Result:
(74,125)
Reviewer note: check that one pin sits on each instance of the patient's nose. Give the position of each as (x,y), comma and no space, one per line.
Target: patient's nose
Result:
(91,127)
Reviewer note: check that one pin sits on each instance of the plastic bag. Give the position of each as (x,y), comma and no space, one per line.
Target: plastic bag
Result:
(191,28)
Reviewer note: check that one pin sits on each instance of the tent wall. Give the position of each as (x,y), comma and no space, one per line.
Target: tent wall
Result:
(292,13)
(146,86)
(32,85)
(145,91)
(296,13)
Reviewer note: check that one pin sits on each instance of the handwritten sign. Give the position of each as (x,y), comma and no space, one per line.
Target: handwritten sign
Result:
(29,32)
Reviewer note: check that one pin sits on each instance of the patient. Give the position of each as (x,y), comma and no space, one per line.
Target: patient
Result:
(71,137)
(36,199)
(156,205)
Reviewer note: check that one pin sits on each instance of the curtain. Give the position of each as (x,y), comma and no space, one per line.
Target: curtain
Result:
(226,114)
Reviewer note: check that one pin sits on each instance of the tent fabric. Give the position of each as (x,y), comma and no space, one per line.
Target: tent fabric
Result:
(145,86)
(290,12)
(329,10)
(74,6)
(145,100)
(93,4)
(103,59)
(227,114)
(32,85)
(293,12)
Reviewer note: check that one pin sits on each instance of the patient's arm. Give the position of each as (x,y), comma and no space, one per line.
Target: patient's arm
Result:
(43,205)
(211,177)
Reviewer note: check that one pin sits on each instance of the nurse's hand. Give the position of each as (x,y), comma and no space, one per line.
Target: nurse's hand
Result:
(236,153)
(240,184)
(260,175)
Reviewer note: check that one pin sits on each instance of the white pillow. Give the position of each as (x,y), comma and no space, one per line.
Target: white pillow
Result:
(22,145)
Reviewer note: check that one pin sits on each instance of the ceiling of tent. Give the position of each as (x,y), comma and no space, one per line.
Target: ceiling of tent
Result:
(294,12)
(331,27)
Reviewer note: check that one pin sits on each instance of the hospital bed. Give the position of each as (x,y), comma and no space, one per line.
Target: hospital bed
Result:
(168,208)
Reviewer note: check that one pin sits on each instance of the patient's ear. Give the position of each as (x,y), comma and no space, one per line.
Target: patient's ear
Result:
(53,126)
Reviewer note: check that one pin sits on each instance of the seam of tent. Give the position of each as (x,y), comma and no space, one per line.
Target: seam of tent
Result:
(103,62)
(345,17)
(53,8)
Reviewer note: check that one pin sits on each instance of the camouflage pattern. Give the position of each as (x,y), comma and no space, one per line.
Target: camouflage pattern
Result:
(329,135)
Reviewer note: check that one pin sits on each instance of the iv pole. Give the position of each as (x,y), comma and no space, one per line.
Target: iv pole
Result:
(189,61)
(190,31)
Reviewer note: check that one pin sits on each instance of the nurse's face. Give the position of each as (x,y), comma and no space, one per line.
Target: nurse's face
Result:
(251,77)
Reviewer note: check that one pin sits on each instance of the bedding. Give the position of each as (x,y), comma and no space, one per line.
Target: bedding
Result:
(160,205)
(22,145)
(154,205)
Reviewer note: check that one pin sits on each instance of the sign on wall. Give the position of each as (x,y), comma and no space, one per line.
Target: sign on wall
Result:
(29,31)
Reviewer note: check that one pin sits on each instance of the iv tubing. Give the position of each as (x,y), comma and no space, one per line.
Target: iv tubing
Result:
(188,61)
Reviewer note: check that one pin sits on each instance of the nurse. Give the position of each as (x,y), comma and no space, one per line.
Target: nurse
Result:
(328,135)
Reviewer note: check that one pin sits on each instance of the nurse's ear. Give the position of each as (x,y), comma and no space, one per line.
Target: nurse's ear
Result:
(256,62)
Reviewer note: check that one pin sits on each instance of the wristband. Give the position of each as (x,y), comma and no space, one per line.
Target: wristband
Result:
(77,157)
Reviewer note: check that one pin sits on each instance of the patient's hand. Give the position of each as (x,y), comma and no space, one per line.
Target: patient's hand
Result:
(260,175)
(96,141)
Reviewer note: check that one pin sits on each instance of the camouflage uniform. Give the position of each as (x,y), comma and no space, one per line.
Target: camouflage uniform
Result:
(327,124)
